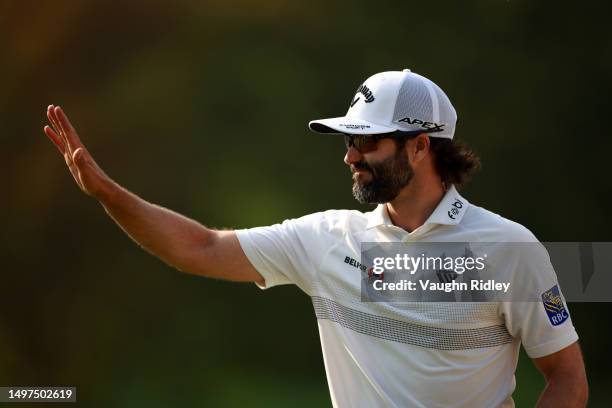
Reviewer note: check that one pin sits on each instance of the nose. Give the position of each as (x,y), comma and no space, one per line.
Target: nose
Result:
(352,156)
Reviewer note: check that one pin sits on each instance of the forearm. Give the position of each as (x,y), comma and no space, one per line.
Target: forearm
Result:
(566,380)
(175,239)
(568,392)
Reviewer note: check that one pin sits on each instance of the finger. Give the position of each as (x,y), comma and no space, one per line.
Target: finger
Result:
(69,132)
(55,138)
(55,125)
(62,119)
(52,120)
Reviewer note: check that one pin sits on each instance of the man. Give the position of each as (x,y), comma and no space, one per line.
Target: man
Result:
(399,135)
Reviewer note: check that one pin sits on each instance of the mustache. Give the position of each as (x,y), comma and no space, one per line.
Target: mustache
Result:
(361,166)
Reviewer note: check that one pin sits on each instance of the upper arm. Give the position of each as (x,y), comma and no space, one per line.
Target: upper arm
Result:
(224,258)
(269,256)
(537,313)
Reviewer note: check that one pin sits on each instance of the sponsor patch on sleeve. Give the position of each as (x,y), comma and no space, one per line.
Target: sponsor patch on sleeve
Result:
(553,304)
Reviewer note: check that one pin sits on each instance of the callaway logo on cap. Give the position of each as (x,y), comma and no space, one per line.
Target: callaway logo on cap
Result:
(395,100)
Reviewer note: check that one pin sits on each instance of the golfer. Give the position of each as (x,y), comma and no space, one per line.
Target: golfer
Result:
(398,133)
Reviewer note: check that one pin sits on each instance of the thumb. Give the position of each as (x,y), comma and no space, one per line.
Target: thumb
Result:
(85,163)
(78,156)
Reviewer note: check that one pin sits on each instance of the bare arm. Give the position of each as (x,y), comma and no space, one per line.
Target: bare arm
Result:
(566,381)
(175,239)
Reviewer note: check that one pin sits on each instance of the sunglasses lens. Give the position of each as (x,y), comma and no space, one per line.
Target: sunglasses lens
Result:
(348,141)
(363,143)
(366,143)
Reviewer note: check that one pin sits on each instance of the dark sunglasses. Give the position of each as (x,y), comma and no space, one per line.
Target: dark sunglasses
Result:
(368,143)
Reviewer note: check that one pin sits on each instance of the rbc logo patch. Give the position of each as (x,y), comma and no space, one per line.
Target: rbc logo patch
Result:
(553,304)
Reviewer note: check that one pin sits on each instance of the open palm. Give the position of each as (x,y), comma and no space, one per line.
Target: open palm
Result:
(87,174)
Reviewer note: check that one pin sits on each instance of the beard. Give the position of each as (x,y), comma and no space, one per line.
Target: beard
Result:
(388,178)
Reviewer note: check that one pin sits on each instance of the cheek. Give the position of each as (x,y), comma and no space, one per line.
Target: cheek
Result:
(385,147)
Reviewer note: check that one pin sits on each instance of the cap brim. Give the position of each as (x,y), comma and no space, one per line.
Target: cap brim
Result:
(344,124)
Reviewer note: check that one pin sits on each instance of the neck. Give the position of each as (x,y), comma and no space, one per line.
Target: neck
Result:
(415,203)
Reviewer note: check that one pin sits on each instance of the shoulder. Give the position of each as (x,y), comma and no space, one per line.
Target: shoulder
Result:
(334,222)
(493,227)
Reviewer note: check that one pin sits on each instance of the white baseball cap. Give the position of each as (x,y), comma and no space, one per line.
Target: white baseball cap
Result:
(391,101)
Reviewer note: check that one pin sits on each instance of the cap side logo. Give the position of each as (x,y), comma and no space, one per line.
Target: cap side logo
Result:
(365,91)
(367,94)
(431,126)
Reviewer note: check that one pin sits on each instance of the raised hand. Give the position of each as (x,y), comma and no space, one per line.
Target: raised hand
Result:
(87,174)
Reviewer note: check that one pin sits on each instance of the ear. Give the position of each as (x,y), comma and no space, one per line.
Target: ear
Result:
(418,148)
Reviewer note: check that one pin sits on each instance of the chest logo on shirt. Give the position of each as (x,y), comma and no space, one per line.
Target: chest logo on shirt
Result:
(355,263)
(455,208)
(371,274)
(553,304)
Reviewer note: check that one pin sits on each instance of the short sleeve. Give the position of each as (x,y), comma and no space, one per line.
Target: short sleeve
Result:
(284,253)
(540,318)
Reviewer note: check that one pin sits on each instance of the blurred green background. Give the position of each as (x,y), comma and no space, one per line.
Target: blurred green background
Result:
(203,107)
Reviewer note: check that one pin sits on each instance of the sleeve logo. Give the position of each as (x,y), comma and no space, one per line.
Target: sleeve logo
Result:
(553,304)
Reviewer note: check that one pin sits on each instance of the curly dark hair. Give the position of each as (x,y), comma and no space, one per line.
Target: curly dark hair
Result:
(455,162)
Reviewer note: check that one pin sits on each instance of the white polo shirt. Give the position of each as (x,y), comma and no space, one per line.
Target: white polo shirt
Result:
(419,354)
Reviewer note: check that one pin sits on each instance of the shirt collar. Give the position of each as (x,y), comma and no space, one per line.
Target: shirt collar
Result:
(449,211)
